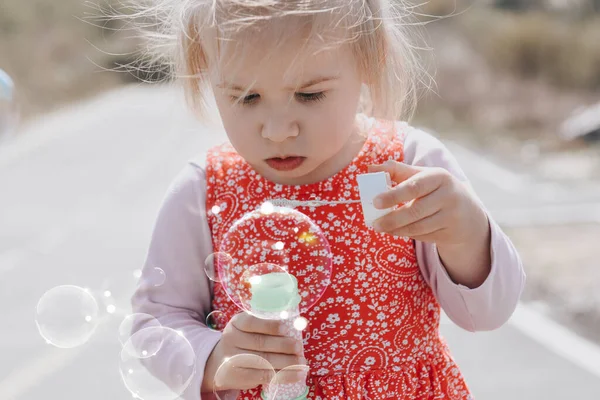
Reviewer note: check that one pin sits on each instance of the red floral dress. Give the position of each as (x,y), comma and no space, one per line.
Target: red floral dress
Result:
(374,333)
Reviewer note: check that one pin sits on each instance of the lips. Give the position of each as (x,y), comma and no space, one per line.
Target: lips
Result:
(285,163)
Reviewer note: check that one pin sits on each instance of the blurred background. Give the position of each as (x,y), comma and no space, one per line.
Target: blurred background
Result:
(89,142)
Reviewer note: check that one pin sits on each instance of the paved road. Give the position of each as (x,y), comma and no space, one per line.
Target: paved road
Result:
(78,197)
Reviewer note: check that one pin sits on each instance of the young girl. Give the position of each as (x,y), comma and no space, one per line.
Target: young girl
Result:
(289,79)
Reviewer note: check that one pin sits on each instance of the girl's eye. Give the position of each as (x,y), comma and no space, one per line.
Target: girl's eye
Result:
(303,97)
(247,100)
(307,97)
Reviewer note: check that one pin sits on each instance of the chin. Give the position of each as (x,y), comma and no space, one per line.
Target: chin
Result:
(300,176)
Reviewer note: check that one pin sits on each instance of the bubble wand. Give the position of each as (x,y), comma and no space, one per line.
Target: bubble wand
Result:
(276,293)
(279,267)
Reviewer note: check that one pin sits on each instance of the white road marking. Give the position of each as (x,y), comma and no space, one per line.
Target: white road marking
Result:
(557,339)
(487,170)
(532,322)
(556,214)
(510,181)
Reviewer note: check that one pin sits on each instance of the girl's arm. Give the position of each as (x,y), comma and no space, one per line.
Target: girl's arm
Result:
(490,305)
(179,245)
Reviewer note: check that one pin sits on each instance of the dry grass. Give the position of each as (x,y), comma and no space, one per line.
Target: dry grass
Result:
(560,50)
(432,9)
(494,95)
(55,54)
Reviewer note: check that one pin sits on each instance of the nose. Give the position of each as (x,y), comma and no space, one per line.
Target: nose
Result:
(280,127)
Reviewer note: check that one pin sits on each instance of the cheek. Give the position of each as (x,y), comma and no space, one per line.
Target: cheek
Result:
(234,122)
(238,128)
(345,104)
(340,114)
(226,111)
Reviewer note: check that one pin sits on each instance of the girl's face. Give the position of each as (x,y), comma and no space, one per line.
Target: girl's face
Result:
(291,113)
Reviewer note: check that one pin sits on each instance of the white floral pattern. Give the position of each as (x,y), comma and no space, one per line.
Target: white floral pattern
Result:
(374,332)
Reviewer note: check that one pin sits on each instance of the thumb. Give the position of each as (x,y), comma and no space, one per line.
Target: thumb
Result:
(398,171)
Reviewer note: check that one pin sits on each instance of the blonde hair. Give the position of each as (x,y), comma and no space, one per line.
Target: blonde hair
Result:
(181,31)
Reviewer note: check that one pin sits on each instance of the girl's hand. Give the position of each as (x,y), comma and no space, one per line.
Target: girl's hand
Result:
(245,334)
(433,206)
(436,207)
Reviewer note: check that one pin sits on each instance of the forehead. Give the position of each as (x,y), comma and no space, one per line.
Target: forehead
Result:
(281,53)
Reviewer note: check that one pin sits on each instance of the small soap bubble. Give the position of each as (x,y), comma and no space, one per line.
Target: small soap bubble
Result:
(211,262)
(145,342)
(67,316)
(137,273)
(139,364)
(133,323)
(215,210)
(111,308)
(288,383)
(239,364)
(216,320)
(157,276)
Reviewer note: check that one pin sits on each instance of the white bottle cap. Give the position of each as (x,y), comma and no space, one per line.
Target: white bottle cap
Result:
(370,185)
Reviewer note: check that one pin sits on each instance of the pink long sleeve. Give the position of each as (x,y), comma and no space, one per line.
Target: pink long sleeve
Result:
(180,244)
(490,305)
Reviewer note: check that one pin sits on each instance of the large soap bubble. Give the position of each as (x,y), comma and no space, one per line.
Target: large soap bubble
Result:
(278,260)
(242,370)
(134,322)
(157,363)
(288,384)
(67,316)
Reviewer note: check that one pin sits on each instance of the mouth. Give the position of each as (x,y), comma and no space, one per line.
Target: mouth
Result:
(287,163)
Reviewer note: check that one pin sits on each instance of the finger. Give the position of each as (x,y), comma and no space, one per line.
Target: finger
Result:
(411,212)
(247,323)
(242,378)
(426,226)
(267,343)
(398,171)
(278,361)
(415,187)
(293,374)
(243,370)
(251,378)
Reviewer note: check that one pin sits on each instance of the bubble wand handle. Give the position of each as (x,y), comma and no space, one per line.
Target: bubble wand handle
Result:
(276,296)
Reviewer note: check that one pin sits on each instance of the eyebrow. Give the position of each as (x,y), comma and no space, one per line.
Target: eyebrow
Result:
(312,82)
(316,81)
